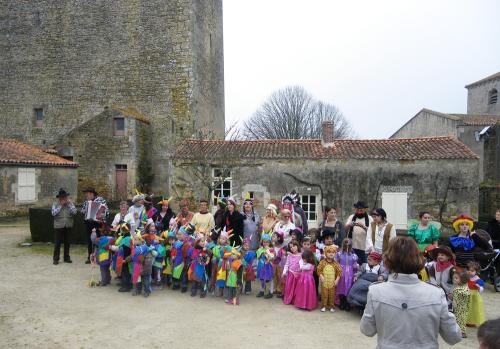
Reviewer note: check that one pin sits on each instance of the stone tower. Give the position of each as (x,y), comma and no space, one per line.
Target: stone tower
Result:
(64,62)
(482,96)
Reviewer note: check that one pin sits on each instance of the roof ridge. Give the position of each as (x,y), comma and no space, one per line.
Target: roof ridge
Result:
(488,78)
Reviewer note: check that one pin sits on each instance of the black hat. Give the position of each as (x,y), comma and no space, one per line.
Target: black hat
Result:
(62,193)
(90,190)
(360,204)
(326,233)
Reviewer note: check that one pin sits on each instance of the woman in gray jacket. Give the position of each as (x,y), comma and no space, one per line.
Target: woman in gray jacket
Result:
(405,312)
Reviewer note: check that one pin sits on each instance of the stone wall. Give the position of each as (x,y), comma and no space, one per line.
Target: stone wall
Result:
(492,155)
(467,134)
(73,57)
(477,98)
(48,182)
(97,152)
(446,188)
(427,124)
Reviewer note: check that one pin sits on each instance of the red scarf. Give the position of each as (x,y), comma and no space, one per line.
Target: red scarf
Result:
(440,266)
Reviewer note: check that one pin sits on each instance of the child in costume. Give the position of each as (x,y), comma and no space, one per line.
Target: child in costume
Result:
(461,300)
(329,272)
(181,257)
(291,271)
(169,240)
(234,277)
(305,290)
(476,287)
(247,258)
(103,256)
(440,270)
(123,248)
(142,261)
(159,260)
(197,272)
(348,261)
(265,256)
(278,263)
(177,260)
(221,255)
(307,244)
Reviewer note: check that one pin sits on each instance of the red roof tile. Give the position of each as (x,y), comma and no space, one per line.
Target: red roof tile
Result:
(478,119)
(15,152)
(390,149)
(488,78)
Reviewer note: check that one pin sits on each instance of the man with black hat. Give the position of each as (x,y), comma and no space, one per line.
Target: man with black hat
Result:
(63,211)
(357,226)
(91,223)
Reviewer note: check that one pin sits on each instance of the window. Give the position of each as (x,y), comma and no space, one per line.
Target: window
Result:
(477,136)
(119,126)
(38,117)
(493,96)
(309,207)
(222,184)
(395,204)
(26,184)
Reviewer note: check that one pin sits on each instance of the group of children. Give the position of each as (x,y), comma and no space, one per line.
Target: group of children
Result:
(181,255)
(463,287)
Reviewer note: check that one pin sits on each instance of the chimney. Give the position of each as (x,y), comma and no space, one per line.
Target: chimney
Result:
(327,132)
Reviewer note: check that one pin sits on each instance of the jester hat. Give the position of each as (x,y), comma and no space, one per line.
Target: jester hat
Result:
(463,218)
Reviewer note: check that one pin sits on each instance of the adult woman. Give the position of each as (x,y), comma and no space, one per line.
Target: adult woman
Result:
(251,224)
(270,219)
(285,225)
(466,242)
(424,233)
(162,218)
(333,226)
(395,307)
(233,220)
(380,232)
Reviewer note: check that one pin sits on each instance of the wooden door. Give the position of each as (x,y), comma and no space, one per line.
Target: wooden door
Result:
(121,182)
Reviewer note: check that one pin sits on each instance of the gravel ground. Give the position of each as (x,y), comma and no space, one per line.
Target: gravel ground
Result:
(47,306)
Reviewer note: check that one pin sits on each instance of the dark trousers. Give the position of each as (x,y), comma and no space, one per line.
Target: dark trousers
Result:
(361,255)
(105,274)
(62,235)
(89,225)
(126,280)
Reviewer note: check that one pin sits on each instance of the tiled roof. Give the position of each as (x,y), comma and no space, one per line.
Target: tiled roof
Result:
(390,149)
(478,120)
(15,152)
(488,78)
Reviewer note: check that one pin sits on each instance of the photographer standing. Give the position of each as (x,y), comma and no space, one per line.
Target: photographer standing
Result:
(356,227)
(63,211)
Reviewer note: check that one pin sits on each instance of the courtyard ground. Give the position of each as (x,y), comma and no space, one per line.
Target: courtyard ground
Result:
(47,306)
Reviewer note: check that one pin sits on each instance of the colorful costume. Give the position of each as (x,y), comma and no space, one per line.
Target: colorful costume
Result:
(221,254)
(461,301)
(265,271)
(425,237)
(278,264)
(197,272)
(104,257)
(248,272)
(292,272)
(330,270)
(234,277)
(476,306)
(349,264)
(305,290)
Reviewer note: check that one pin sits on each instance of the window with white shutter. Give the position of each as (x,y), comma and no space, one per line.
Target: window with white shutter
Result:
(396,207)
(26,181)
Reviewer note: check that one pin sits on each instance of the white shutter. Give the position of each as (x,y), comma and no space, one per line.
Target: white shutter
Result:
(396,206)
(26,182)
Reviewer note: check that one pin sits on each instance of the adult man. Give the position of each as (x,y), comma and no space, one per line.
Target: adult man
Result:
(379,232)
(357,226)
(203,219)
(92,197)
(63,211)
(138,212)
(185,216)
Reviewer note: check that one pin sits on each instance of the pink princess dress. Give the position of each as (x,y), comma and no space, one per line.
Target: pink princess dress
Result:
(305,289)
(292,271)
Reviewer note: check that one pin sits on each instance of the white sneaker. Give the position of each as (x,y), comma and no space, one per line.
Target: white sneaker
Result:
(323,310)
(332,310)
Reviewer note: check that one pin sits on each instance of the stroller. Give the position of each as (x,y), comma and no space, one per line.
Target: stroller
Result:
(490,262)
(359,290)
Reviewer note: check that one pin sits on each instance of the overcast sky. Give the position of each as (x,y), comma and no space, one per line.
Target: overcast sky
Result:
(380,61)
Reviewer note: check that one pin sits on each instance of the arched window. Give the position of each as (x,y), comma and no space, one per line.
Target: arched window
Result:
(493,96)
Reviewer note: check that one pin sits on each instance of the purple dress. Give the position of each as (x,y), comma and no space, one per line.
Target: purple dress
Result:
(349,265)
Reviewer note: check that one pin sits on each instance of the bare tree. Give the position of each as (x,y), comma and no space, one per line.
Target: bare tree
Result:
(292,113)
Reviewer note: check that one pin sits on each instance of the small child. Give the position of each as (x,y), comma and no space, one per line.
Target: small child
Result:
(305,290)
(291,271)
(247,258)
(221,256)
(349,264)
(234,277)
(329,272)
(476,287)
(306,244)
(461,300)
(313,235)
(169,240)
(278,261)
(142,262)
(265,256)
(372,266)
(441,269)
(197,273)
(104,242)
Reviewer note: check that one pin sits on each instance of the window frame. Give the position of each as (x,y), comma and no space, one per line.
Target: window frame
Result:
(36,112)
(22,183)
(116,131)
(306,206)
(220,188)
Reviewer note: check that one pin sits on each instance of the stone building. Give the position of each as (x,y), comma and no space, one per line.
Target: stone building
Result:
(476,128)
(31,177)
(405,176)
(65,62)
